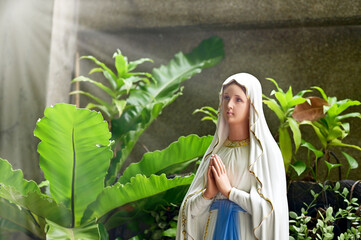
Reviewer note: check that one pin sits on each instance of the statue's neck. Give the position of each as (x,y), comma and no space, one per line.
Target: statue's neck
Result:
(238,131)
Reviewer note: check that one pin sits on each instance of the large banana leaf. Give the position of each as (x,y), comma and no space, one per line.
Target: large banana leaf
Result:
(185,149)
(88,231)
(150,100)
(141,208)
(16,219)
(74,155)
(39,204)
(130,138)
(139,187)
(26,194)
(15,178)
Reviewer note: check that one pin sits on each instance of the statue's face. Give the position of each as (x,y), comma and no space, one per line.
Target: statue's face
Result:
(235,105)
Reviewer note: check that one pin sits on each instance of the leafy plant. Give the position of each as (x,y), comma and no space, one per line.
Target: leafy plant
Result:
(211,114)
(331,129)
(283,108)
(75,153)
(162,224)
(181,153)
(85,198)
(322,225)
(121,83)
(145,102)
(326,117)
(353,233)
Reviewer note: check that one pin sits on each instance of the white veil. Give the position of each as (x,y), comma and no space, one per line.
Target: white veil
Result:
(269,197)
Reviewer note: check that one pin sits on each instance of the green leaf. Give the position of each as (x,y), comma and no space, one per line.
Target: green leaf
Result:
(98,84)
(44,184)
(351,161)
(121,64)
(102,102)
(184,66)
(296,132)
(301,93)
(299,167)
(120,105)
(214,120)
(113,77)
(281,97)
(170,232)
(13,218)
(337,142)
(332,101)
(26,194)
(330,166)
(133,64)
(348,103)
(211,113)
(346,127)
(158,202)
(289,94)
(335,132)
(324,96)
(128,83)
(15,178)
(74,155)
(348,115)
(173,196)
(136,79)
(330,110)
(309,146)
(102,108)
(116,83)
(275,83)
(39,204)
(275,108)
(94,70)
(285,146)
(208,53)
(185,149)
(139,187)
(316,127)
(134,238)
(293,215)
(89,230)
(295,101)
(207,109)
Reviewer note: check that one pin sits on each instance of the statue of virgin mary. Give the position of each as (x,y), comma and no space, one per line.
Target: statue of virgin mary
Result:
(239,190)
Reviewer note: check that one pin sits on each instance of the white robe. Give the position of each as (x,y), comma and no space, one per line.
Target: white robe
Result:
(236,161)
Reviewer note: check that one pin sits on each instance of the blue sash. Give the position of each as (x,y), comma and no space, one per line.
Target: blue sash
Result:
(227,224)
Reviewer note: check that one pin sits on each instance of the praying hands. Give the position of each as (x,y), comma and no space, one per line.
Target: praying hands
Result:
(217,179)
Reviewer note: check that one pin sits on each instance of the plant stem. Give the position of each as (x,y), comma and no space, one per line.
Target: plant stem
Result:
(73,184)
(327,155)
(338,161)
